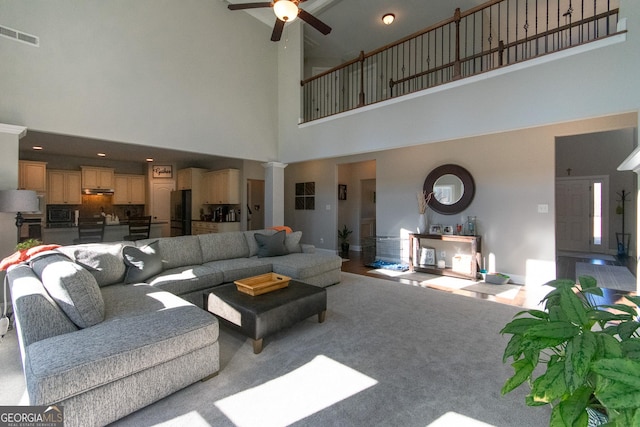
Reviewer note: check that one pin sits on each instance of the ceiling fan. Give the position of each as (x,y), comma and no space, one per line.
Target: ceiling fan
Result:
(286,11)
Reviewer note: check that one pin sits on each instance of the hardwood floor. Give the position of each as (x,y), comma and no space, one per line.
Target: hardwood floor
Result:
(565,267)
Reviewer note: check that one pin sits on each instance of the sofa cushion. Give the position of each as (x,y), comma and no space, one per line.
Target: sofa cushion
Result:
(251,240)
(142,263)
(186,279)
(72,287)
(292,242)
(38,316)
(103,260)
(240,268)
(178,251)
(301,266)
(273,245)
(228,245)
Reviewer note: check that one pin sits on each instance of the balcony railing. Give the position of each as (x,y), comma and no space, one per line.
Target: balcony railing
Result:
(495,34)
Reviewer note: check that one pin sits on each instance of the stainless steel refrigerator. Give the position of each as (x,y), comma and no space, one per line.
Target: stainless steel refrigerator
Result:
(180,213)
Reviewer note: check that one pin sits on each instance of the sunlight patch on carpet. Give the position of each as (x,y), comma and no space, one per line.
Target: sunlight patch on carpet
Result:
(455,419)
(191,419)
(285,400)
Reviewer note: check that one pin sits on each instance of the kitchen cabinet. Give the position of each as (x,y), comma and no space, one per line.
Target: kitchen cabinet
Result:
(65,187)
(189,178)
(97,177)
(128,189)
(206,227)
(222,187)
(32,175)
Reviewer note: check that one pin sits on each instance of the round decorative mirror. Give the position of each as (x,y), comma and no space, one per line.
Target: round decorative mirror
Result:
(452,187)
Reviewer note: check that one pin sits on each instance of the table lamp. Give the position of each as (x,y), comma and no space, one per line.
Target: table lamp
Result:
(18,201)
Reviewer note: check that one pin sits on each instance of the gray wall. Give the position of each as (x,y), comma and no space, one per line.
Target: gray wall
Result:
(152,72)
(514,172)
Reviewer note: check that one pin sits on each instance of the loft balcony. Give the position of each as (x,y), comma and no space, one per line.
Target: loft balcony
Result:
(496,34)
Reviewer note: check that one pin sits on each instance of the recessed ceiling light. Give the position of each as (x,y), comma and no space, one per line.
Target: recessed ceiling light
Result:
(388,18)
(37,147)
(149,159)
(102,155)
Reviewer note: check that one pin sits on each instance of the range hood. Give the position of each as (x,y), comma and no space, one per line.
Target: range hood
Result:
(98,191)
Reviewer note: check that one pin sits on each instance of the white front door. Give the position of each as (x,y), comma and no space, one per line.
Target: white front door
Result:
(582,214)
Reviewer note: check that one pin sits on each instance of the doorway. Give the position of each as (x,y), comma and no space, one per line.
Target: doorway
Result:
(582,214)
(160,204)
(255,204)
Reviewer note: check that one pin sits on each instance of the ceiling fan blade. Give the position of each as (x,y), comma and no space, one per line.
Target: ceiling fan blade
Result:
(277,30)
(240,6)
(314,22)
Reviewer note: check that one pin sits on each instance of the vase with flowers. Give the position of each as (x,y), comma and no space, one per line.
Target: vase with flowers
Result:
(423,201)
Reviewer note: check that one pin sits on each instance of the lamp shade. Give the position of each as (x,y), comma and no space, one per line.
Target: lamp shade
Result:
(285,10)
(18,201)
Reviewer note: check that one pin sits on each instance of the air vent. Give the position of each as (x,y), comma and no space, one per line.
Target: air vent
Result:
(19,36)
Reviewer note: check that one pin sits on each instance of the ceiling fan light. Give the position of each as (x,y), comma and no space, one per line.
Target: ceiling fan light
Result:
(388,18)
(285,10)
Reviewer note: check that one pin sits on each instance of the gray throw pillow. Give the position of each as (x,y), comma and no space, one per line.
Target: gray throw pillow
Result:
(292,242)
(102,260)
(142,263)
(271,245)
(72,287)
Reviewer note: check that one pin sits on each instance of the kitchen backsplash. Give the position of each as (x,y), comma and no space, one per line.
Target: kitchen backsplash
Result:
(94,205)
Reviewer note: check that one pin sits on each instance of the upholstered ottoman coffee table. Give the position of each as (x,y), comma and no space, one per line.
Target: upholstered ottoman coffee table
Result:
(262,315)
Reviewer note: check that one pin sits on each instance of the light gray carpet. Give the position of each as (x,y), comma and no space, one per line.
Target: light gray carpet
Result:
(608,276)
(387,354)
(502,291)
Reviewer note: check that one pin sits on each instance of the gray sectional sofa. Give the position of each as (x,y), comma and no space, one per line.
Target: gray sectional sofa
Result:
(106,329)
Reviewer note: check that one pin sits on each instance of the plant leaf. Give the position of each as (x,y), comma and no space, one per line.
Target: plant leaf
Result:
(571,412)
(619,370)
(549,386)
(580,352)
(560,283)
(587,282)
(513,349)
(619,396)
(520,326)
(627,329)
(634,299)
(558,329)
(631,348)
(523,369)
(573,307)
(607,347)
(606,316)
(621,307)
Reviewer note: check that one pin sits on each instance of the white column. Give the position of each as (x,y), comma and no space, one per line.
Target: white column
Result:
(273,193)
(9,139)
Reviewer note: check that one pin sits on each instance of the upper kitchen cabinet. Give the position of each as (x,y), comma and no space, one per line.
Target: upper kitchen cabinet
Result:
(32,175)
(189,178)
(65,187)
(129,190)
(222,187)
(98,178)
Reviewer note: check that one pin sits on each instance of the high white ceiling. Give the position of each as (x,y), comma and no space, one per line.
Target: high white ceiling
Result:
(357,24)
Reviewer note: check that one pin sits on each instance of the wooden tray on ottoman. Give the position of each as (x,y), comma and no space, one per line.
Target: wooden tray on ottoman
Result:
(258,285)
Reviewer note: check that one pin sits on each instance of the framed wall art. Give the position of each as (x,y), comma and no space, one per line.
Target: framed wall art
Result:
(342,192)
(162,171)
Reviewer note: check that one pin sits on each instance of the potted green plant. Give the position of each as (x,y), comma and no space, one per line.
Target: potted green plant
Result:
(343,236)
(586,356)
(28,243)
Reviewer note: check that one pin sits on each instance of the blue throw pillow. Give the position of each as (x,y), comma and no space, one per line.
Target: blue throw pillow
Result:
(271,245)
(142,263)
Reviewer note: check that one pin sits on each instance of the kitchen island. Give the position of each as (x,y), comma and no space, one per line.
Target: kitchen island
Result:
(112,233)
